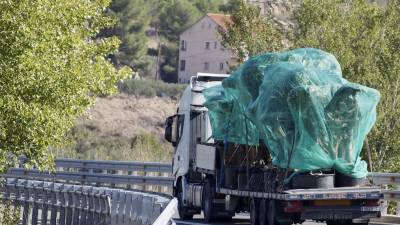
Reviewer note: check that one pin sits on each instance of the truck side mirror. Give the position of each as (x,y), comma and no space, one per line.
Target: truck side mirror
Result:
(170,129)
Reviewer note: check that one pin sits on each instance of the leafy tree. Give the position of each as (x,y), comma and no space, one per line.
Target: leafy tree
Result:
(249,33)
(229,6)
(133,21)
(50,69)
(176,17)
(207,6)
(366,40)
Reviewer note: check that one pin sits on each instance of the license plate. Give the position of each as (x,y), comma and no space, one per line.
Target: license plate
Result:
(332,202)
(370,208)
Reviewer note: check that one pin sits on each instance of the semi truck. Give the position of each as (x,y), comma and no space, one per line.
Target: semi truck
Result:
(221,179)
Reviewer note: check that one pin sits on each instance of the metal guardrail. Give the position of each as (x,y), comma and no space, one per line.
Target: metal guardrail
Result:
(40,202)
(390,183)
(149,176)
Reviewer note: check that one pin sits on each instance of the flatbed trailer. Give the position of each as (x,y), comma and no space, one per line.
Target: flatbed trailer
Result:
(221,179)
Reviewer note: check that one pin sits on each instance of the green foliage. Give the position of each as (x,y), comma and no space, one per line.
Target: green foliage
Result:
(150,88)
(250,33)
(176,17)
(207,6)
(87,142)
(51,66)
(9,215)
(365,38)
(133,21)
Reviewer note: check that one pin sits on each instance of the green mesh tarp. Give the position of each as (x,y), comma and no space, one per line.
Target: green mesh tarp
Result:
(299,104)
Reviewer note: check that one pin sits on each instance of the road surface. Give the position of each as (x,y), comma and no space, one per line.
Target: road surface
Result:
(241,219)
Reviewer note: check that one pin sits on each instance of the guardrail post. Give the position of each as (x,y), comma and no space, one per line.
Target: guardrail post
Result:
(45,202)
(85,206)
(91,211)
(385,204)
(69,206)
(54,203)
(77,203)
(96,207)
(129,203)
(129,186)
(114,207)
(397,203)
(25,199)
(35,205)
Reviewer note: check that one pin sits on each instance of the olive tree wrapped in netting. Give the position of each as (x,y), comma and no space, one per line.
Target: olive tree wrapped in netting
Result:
(299,104)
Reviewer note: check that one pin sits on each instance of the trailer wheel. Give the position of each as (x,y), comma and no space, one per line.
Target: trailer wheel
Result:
(271,215)
(343,222)
(262,212)
(271,212)
(254,212)
(208,205)
(182,210)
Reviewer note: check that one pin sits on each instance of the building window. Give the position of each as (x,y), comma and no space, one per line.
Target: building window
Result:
(215,45)
(221,66)
(206,66)
(182,66)
(207,45)
(183,45)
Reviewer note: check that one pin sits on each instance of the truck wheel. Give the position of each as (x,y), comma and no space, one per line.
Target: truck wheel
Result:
(343,222)
(254,212)
(262,212)
(208,205)
(271,212)
(182,210)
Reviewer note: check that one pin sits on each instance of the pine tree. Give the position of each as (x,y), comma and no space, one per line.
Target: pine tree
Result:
(133,21)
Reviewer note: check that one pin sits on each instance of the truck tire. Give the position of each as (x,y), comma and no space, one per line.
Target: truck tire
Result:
(254,211)
(262,212)
(270,215)
(182,210)
(208,205)
(343,222)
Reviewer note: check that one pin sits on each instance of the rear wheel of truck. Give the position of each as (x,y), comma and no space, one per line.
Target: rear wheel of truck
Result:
(182,209)
(262,212)
(254,212)
(343,222)
(269,214)
(208,198)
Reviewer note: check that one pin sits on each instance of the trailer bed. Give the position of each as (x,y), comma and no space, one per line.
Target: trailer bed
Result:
(350,193)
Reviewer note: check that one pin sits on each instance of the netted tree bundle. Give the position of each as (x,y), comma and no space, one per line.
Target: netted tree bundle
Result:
(299,104)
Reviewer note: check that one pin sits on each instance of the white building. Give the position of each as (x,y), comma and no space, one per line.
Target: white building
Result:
(200,48)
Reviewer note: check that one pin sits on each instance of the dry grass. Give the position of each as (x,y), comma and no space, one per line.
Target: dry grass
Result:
(122,127)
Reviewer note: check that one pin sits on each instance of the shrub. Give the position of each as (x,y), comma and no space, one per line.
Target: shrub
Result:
(150,88)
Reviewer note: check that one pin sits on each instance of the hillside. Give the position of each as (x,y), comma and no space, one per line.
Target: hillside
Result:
(122,127)
(127,116)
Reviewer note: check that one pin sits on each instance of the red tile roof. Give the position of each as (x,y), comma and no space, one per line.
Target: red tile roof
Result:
(221,19)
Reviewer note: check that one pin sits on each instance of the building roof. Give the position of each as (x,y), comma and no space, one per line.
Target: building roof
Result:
(221,19)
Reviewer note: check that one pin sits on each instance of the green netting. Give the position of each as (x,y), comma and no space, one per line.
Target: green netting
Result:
(297,102)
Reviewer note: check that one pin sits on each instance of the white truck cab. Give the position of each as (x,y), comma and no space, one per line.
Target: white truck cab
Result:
(191,124)
(185,130)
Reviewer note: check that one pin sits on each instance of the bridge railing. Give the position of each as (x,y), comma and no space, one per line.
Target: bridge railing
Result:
(42,202)
(390,183)
(148,176)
